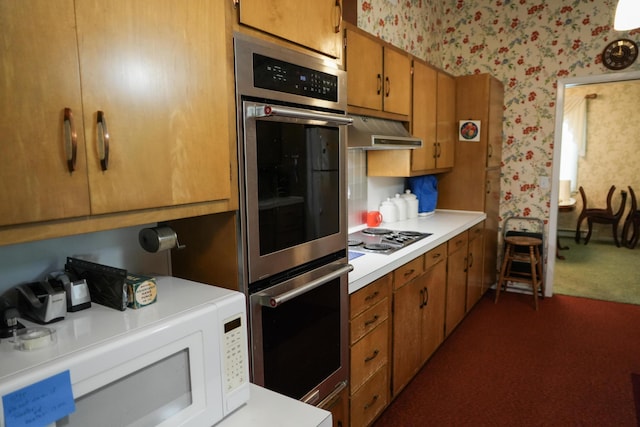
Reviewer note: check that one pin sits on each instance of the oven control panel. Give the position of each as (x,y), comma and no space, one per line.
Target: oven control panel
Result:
(274,74)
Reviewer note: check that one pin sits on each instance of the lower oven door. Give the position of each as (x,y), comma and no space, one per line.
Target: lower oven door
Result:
(299,331)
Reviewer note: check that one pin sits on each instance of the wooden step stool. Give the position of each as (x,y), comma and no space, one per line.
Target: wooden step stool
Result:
(525,251)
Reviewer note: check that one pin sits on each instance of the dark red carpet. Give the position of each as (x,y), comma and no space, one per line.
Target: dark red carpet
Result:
(568,364)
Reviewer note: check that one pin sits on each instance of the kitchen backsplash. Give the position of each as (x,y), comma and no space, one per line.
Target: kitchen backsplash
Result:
(366,193)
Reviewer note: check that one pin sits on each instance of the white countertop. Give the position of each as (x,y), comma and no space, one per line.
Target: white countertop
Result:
(444,224)
(267,408)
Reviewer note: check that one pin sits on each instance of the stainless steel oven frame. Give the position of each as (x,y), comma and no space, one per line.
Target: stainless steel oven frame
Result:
(285,293)
(254,104)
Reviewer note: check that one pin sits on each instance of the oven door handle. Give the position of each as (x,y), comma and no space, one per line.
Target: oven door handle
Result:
(274,301)
(262,110)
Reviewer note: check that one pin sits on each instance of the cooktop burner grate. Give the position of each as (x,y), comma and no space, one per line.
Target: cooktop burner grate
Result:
(382,240)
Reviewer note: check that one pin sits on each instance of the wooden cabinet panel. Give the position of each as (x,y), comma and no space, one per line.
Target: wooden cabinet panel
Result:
(370,295)
(364,71)
(435,255)
(423,120)
(410,270)
(370,400)
(378,77)
(476,265)
(456,282)
(369,355)
(369,320)
(314,24)
(39,78)
(397,82)
(407,319)
(434,309)
(338,404)
(168,142)
(447,124)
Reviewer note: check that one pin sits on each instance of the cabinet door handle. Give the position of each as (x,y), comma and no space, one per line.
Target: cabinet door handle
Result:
(426,296)
(436,256)
(373,356)
(70,138)
(488,187)
(372,321)
(466,264)
(387,84)
(372,296)
(379,83)
(338,27)
(490,151)
(371,402)
(470,259)
(435,150)
(409,272)
(103,141)
(421,297)
(439,150)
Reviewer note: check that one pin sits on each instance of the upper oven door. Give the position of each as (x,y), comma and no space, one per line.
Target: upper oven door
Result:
(295,185)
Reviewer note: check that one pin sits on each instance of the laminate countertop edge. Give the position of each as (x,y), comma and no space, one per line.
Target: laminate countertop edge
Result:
(444,224)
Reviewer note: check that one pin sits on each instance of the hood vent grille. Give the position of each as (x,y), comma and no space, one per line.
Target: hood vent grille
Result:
(371,133)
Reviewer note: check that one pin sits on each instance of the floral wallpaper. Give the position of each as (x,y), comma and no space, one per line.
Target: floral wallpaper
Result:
(528,45)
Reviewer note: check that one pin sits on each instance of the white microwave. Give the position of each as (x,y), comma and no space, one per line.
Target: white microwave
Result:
(181,361)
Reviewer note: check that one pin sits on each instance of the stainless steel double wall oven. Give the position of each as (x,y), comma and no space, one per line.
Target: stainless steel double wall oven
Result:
(293,224)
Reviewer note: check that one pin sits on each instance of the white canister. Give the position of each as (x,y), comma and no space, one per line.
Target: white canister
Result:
(389,211)
(412,204)
(402,207)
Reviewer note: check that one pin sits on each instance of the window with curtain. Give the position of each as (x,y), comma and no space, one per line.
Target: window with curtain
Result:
(574,137)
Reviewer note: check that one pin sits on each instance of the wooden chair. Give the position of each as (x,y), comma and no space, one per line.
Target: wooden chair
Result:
(601,215)
(631,223)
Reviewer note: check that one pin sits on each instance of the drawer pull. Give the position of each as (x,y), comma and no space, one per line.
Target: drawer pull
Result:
(372,296)
(103,141)
(409,272)
(371,403)
(379,90)
(372,321)
(426,297)
(436,256)
(373,356)
(70,139)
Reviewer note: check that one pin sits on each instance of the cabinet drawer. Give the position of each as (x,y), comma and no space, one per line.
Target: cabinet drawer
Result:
(404,274)
(369,354)
(369,320)
(370,295)
(458,242)
(370,400)
(435,255)
(476,231)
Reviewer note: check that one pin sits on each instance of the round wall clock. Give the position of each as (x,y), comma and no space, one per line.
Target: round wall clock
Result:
(619,54)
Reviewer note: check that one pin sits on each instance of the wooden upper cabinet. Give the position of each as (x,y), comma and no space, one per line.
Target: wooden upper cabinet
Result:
(378,77)
(446,121)
(315,24)
(425,104)
(39,78)
(159,75)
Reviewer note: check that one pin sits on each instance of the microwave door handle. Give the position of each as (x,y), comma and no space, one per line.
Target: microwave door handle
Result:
(276,300)
(270,110)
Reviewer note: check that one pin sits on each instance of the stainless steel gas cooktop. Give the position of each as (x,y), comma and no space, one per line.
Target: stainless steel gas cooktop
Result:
(382,240)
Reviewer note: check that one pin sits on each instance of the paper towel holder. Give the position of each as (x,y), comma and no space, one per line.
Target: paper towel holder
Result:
(160,238)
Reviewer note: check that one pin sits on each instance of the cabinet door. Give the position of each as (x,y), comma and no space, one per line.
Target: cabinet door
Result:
(315,24)
(456,286)
(407,319)
(364,71)
(435,283)
(496,112)
(397,82)
(491,229)
(446,126)
(425,82)
(159,72)
(474,273)
(39,78)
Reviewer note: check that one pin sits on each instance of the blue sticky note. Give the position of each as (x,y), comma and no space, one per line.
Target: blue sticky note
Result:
(40,403)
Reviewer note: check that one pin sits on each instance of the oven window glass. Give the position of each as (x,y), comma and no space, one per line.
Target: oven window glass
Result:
(298,183)
(301,341)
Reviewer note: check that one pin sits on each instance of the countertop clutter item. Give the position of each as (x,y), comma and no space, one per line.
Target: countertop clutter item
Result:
(389,211)
(425,188)
(412,204)
(106,284)
(159,238)
(41,303)
(77,291)
(401,204)
(141,290)
(374,218)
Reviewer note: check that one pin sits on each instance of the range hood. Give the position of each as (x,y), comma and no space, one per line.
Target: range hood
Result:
(370,133)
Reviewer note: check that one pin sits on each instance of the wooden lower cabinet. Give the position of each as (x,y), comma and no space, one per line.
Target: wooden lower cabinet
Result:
(338,404)
(418,318)
(369,351)
(456,305)
(475,275)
